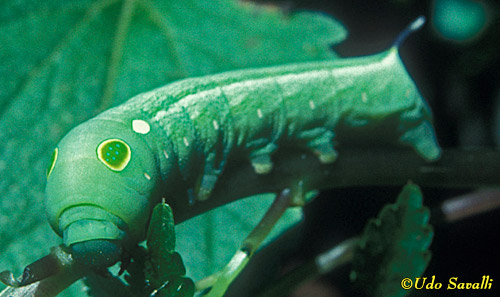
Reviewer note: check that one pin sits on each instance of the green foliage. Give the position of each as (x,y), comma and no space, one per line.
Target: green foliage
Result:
(63,61)
(394,246)
(208,242)
(161,231)
(160,268)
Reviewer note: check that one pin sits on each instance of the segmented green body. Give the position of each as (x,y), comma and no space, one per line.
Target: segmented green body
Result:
(181,137)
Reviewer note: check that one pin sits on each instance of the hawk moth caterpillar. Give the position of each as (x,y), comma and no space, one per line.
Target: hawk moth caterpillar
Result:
(175,141)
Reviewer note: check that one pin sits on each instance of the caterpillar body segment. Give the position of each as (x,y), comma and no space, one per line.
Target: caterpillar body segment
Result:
(176,141)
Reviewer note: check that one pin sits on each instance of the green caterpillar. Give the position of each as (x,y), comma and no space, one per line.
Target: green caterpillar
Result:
(174,142)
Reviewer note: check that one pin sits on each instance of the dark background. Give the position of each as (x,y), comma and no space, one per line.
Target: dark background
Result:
(461,83)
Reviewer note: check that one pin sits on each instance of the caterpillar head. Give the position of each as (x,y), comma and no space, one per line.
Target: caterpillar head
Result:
(98,190)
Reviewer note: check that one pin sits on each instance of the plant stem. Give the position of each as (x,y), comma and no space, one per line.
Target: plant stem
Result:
(353,168)
(46,277)
(323,263)
(470,204)
(220,281)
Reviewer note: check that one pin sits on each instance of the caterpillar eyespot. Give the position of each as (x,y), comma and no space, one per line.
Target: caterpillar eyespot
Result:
(183,135)
(53,160)
(114,153)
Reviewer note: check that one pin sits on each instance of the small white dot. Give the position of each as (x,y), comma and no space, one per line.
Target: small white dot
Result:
(140,126)
(259,113)
(165,153)
(160,115)
(186,142)
(194,115)
(311,104)
(216,125)
(364,97)
(147,176)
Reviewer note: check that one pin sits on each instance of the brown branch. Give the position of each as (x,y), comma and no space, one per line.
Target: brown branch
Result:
(354,167)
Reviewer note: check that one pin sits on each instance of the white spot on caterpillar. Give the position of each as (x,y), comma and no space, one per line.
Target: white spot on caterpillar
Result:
(194,115)
(165,153)
(259,113)
(147,176)
(216,125)
(311,105)
(364,97)
(140,126)
(160,115)
(186,142)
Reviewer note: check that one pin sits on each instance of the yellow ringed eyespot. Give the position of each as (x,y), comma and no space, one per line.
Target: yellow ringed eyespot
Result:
(53,160)
(114,153)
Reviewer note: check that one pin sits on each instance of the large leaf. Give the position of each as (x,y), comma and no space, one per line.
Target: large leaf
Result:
(62,61)
(208,242)
(394,246)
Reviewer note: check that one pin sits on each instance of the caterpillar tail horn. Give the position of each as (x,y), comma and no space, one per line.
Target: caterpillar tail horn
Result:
(414,26)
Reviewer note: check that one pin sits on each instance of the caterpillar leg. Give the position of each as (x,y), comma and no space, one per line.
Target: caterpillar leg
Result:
(206,185)
(423,140)
(261,159)
(216,284)
(320,142)
(207,181)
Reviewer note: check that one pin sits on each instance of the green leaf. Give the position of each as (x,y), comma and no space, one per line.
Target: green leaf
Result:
(161,230)
(164,267)
(208,242)
(394,246)
(62,61)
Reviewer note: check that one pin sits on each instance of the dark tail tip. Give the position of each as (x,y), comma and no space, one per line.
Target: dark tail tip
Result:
(412,27)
